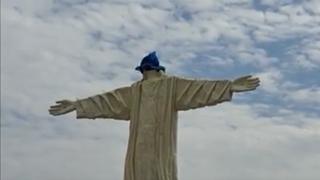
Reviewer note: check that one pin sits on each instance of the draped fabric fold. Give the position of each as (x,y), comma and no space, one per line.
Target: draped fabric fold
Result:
(152,107)
(191,94)
(114,104)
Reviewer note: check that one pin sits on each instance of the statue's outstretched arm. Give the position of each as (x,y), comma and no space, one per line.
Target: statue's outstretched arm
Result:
(192,93)
(114,104)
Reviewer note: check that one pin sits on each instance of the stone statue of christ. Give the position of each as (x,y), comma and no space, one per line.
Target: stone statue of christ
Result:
(151,107)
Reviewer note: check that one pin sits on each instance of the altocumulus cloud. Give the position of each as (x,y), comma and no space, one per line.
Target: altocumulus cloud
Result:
(75,48)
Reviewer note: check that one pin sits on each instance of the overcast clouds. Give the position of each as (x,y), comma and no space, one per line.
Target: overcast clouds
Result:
(58,49)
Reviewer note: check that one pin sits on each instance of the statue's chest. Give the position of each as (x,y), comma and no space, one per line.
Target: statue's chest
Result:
(153,90)
(152,102)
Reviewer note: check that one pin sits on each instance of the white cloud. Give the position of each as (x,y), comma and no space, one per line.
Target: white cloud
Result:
(306,95)
(233,137)
(68,49)
(306,53)
(272,17)
(271,80)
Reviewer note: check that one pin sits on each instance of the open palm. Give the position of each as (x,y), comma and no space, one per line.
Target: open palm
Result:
(62,107)
(245,83)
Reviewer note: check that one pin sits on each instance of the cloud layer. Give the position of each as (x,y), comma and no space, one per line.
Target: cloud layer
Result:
(58,49)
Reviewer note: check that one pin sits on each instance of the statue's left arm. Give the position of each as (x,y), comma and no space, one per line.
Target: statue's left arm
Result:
(191,94)
(114,104)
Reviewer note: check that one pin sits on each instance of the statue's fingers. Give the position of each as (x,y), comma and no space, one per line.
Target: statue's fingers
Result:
(62,101)
(55,109)
(253,83)
(253,86)
(254,80)
(55,106)
(55,112)
(245,77)
(60,106)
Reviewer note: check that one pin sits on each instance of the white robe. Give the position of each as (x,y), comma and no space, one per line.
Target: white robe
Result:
(151,107)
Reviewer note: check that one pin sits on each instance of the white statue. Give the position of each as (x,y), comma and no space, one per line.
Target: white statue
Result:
(151,106)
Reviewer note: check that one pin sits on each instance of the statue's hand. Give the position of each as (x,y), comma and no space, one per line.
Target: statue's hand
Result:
(62,107)
(245,83)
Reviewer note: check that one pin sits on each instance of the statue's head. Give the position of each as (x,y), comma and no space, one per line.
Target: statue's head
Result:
(150,62)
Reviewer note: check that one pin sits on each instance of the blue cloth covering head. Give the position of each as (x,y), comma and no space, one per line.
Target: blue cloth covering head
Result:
(150,62)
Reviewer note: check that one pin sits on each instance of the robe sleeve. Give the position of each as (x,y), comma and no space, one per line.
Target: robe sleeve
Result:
(114,104)
(191,94)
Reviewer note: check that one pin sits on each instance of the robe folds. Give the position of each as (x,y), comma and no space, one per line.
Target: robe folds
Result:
(151,107)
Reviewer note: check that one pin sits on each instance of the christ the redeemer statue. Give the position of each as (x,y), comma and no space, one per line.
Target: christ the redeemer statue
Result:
(151,106)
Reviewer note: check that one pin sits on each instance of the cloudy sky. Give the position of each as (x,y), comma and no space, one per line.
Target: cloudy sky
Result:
(57,49)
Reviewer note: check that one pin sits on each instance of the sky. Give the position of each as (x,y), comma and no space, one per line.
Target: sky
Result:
(72,49)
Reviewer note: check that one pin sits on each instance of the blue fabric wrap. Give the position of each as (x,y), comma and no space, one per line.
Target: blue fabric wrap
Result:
(150,62)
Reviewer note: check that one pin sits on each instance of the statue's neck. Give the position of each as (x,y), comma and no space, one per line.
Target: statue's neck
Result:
(153,74)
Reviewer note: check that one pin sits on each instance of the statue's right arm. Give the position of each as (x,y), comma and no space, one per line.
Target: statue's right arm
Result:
(196,93)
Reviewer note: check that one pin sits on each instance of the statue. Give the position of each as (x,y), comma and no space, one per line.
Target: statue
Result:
(151,106)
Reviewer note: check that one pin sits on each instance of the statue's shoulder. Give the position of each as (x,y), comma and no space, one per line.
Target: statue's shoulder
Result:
(134,84)
(164,77)
(171,78)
